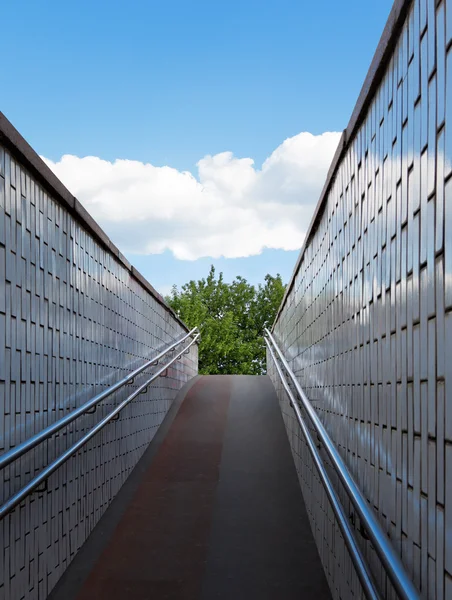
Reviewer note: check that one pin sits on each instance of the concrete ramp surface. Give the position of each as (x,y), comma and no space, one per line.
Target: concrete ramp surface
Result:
(212,510)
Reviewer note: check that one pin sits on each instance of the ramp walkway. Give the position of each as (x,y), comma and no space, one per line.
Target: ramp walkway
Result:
(213,510)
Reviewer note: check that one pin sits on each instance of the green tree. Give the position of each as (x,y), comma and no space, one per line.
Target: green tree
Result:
(231,319)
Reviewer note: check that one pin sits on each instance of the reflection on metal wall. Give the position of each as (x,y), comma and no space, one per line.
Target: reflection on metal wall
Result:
(73,319)
(367,322)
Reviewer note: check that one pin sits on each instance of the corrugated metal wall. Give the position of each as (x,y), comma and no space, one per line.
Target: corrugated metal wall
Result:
(74,318)
(367,322)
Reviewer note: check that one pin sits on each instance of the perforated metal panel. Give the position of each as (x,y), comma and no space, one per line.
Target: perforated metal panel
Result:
(73,320)
(367,325)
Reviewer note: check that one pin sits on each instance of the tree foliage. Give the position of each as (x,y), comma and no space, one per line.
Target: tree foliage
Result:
(231,319)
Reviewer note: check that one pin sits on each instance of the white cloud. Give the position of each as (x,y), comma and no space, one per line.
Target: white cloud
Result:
(230,209)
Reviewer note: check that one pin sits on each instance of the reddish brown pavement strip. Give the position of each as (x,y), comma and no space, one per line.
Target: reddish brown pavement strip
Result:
(159,548)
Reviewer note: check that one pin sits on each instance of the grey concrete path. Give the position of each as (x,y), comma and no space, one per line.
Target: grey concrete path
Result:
(212,511)
(261,544)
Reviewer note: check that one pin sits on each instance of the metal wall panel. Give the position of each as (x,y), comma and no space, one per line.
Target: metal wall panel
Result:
(366,325)
(73,320)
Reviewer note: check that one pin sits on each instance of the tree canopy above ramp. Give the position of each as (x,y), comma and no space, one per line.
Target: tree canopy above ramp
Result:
(232,318)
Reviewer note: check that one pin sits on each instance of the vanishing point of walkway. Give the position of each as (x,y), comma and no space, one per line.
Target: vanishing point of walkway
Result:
(213,509)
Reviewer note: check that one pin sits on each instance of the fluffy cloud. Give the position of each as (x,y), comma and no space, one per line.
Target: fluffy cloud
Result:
(230,209)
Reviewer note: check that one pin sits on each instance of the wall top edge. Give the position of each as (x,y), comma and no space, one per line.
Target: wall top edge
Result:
(21,150)
(381,57)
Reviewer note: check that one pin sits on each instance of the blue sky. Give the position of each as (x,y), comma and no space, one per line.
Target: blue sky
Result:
(169,83)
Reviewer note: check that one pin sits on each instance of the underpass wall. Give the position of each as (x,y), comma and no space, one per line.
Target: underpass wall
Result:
(75,317)
(366,323)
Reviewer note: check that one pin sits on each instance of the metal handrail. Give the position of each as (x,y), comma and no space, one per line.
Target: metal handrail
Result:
(389,558)
(14,500)
(356,555)
(19,450)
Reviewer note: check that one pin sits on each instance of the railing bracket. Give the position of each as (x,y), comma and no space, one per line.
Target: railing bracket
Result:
(361,529)
(44,488)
